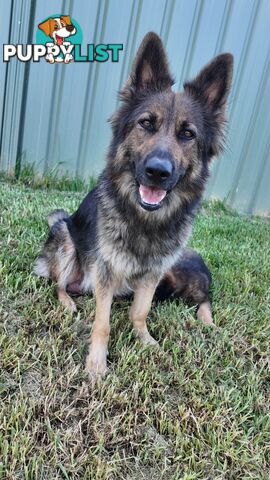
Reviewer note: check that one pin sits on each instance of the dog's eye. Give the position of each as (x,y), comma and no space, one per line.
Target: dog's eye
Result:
(62,24)
(186,134)
(147,124)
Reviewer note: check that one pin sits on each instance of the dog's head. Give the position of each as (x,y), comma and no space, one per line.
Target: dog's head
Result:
(164,140)
(58,28)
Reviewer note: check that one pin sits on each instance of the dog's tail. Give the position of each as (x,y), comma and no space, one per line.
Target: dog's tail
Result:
(57,215)
(44,262)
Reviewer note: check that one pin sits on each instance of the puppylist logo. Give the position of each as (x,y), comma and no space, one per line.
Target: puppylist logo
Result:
(59,40)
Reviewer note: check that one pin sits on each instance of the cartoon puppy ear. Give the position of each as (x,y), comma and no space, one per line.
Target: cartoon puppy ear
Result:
(66,19)
(46,26)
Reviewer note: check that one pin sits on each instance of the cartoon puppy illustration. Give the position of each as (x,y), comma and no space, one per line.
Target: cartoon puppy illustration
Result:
(58,28)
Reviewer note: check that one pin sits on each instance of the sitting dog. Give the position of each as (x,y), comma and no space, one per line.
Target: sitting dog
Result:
(58,29)
(132,228)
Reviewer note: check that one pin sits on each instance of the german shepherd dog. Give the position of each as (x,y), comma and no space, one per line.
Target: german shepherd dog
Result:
(130,231)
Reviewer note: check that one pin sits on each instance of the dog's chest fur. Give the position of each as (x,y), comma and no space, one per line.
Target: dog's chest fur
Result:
(132,251)
(121,245)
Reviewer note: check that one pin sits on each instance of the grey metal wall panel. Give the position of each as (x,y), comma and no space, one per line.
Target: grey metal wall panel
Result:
(56,115)
(234,175)
(5,16)
(14,74)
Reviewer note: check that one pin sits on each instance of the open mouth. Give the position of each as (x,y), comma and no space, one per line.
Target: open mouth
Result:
(151,197)
(59,40)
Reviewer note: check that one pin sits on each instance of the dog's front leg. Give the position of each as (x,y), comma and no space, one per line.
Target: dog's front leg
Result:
(96,363)
(67,48)
(141,305)
(51,51)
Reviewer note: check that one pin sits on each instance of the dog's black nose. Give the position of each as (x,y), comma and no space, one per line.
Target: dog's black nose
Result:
(158,169)
(70,28)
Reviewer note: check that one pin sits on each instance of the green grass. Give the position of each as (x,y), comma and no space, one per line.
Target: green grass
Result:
(197,408)
(27,174)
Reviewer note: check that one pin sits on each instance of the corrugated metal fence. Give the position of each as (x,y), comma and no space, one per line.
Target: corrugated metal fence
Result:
(53,114)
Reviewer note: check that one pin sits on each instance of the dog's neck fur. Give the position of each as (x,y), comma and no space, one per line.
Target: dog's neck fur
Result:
(141,222)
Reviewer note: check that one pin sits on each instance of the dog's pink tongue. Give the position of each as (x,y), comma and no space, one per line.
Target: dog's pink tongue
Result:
(152,195)
(59,40)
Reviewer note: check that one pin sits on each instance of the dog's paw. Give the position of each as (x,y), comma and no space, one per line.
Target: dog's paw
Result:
(66,300)
(68,58)
(147,339)
(50,58)
(96,363)
(204,313)
(71,306)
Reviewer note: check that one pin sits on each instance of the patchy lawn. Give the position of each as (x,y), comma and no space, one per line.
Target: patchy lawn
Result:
(197,408)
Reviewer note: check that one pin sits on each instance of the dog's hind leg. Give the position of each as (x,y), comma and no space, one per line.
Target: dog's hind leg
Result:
(141,305)
(204,313)
(189,279)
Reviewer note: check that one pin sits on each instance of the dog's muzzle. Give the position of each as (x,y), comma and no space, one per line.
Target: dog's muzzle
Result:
(156,178)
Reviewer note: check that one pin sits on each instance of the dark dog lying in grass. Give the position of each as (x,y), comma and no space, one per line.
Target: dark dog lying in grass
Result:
(131,229)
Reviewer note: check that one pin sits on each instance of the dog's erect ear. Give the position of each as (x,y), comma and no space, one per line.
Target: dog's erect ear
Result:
(150,68)
(46,26)
(212,85)
(211,88)
(66,19)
